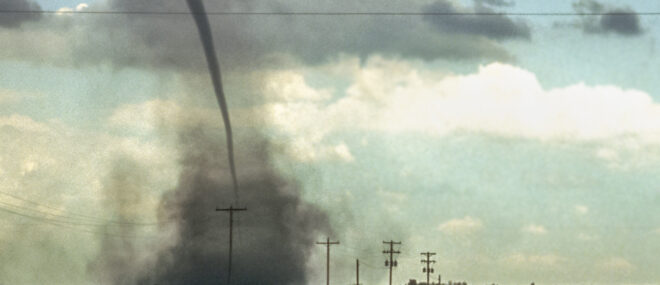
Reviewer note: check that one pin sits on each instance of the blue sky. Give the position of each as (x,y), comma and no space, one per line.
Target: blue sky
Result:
(524,149)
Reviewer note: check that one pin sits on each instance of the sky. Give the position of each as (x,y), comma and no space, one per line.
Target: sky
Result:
(519,148)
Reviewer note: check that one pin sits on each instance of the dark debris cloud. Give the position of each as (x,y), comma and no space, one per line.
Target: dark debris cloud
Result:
(273,238)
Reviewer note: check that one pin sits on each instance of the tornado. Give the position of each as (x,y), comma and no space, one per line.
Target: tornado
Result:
(201,20)
(274,239)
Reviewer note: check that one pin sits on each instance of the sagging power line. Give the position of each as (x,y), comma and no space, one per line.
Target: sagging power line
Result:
(70,225)
(329,13)
(68,215)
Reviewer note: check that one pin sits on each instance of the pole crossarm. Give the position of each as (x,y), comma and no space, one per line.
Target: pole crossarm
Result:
(327,244)
(231,211)
(392,263)
(428,263)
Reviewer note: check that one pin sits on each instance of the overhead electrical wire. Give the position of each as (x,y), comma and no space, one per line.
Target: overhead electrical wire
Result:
(328,13)
(72,215)
(79,227)
(75,221)
(12,210)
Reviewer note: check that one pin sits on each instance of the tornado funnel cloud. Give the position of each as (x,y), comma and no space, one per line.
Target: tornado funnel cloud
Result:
(274,239)
(199,13)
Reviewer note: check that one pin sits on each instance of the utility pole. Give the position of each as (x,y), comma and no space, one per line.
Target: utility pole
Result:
(327,244)
(357,272)
(391,252)
(231,211)
(428,268)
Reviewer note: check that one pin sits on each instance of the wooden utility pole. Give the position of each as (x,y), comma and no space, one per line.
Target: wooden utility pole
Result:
(357,272)
(391,252)
(428,268)
(231,211)
(327,244)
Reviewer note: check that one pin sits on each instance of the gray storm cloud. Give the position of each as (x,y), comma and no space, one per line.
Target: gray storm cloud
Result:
(500,3)
(496,27)
(13,20)
(252,42)
(614,20)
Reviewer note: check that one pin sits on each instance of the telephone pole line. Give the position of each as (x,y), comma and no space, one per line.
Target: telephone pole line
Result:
(327,244)
(391,252)
(428,268)
(231,211)
(357,272)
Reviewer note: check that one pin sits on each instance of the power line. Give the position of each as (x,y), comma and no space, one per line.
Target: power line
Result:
(70,215)
(46,216)
(70,225)
(58,219)
(371,265)
(44,219)
(70,221)
(337,13)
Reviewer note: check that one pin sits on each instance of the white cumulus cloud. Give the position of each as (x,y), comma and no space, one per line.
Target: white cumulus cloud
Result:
(464,225)
(308,151)
(64,11)
(581,209)
(499,99)
(290,85)
(586,237)
(532,260)
(82,6)
(616,265)
(69,10)
(7,96)
(535,229)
